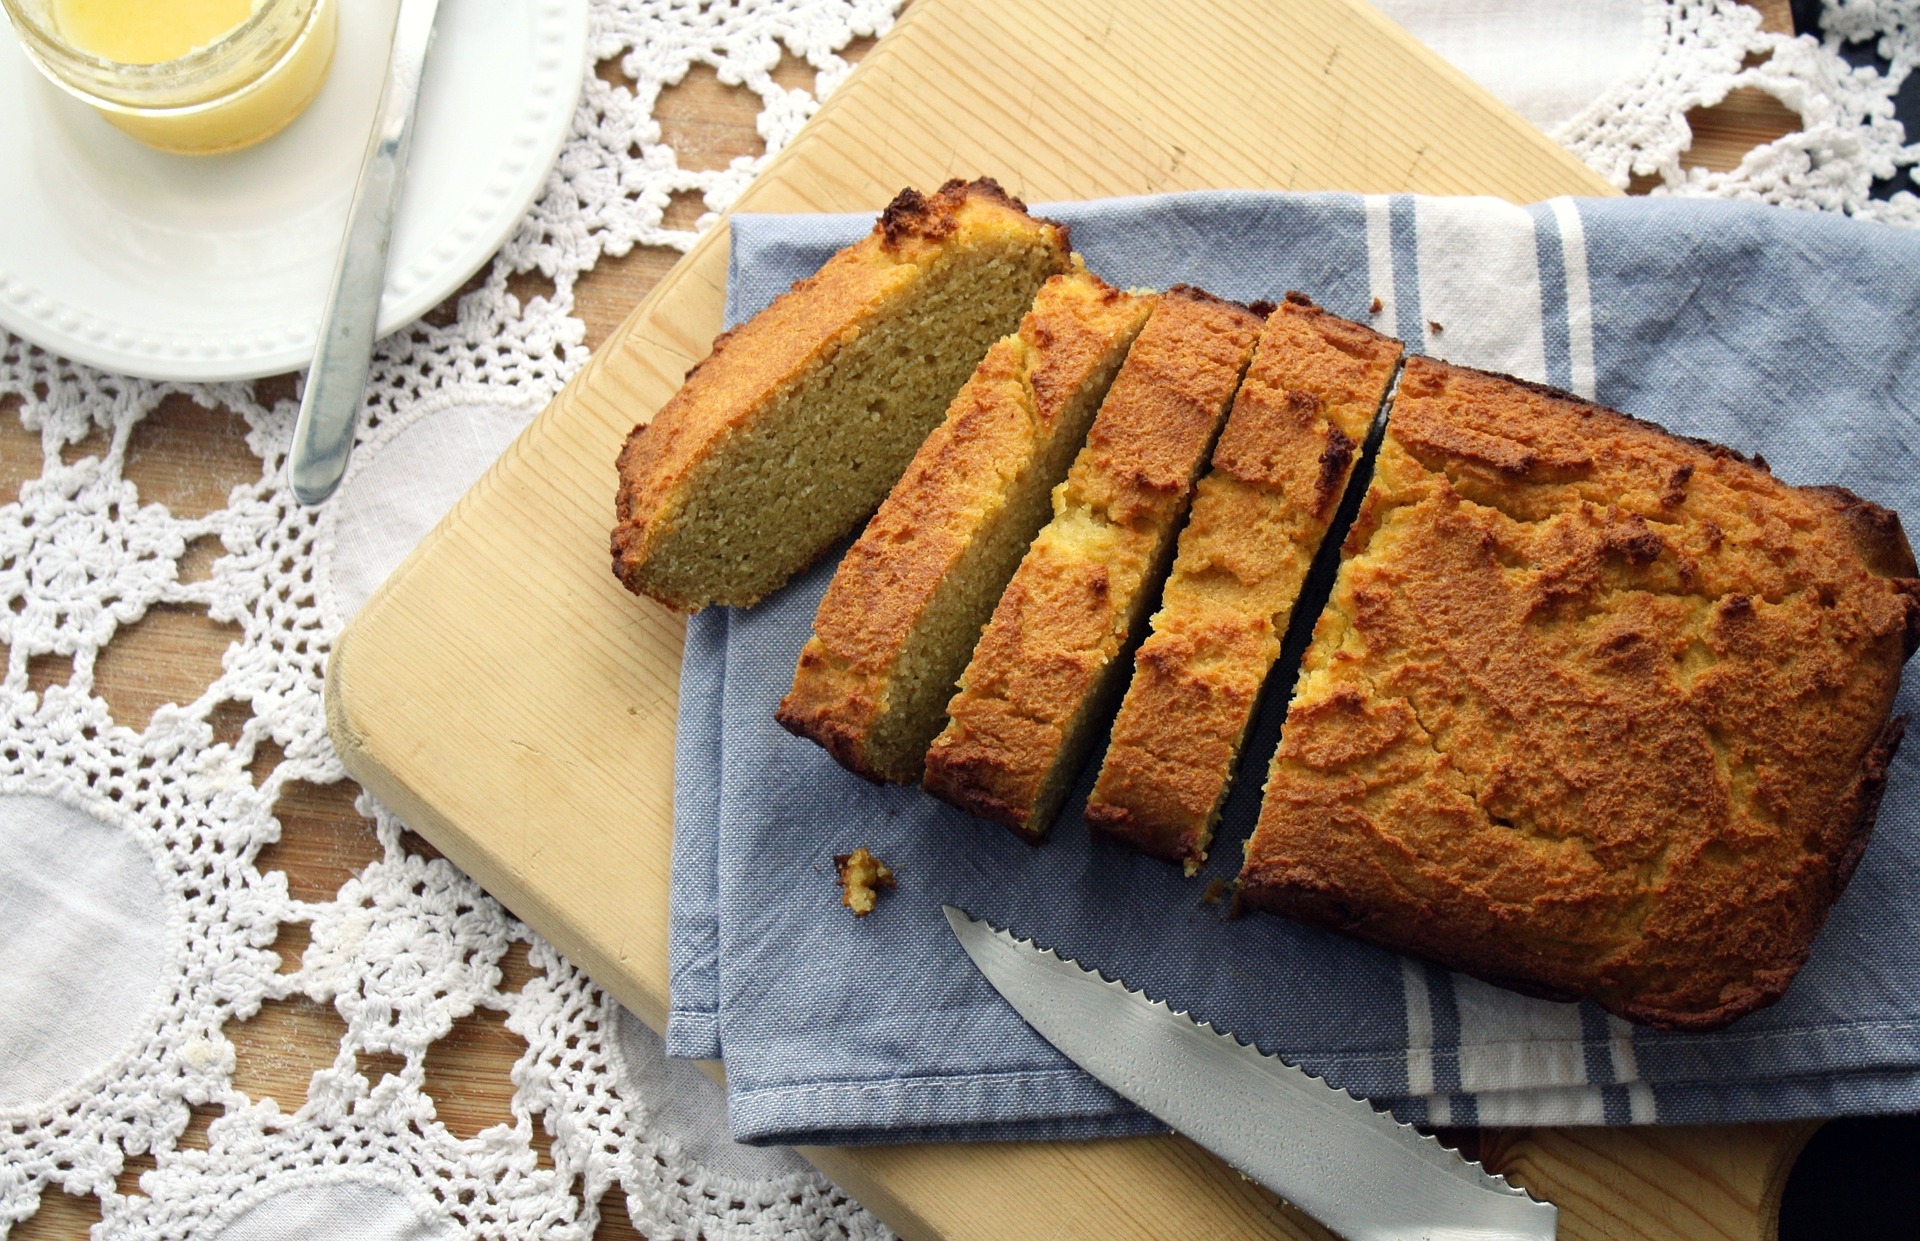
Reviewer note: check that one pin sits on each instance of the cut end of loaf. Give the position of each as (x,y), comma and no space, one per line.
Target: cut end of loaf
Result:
(789,434)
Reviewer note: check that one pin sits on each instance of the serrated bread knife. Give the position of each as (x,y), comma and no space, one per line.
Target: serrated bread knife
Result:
(1360,1172)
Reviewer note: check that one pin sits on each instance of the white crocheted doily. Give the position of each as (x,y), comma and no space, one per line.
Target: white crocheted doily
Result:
(1699,51)
(136,925)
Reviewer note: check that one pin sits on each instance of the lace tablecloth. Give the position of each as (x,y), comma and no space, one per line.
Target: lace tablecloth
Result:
(137,922)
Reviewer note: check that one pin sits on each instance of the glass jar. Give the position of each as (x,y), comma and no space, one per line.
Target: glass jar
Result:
(243,86)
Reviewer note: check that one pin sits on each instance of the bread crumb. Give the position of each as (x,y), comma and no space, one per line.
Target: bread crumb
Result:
(1216,891)
(862,875)
(1377,307)
(1435,328)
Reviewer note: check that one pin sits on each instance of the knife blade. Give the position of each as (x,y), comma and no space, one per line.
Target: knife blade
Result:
(1360,1172)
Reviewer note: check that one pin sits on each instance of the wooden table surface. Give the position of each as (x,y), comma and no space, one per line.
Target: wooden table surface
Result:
(188,458)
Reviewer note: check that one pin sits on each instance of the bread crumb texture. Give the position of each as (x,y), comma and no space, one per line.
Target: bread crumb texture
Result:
(1279,470)
(1043,676)
(1594,711)
(800,419)
(862,875)
(907,603)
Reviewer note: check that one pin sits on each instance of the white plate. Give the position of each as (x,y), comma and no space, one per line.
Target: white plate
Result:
(215,267)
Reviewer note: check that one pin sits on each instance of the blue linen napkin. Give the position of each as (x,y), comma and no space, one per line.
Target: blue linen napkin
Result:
(1785,334)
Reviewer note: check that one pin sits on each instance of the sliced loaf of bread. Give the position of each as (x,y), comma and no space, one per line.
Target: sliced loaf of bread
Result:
(1046,669)
(906,605)
(790,432)
(1279,471)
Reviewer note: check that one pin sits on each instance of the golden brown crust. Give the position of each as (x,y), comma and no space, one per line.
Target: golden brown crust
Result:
(1876,534)
(1281,465)
(1594,711)
(1865,799)
(913,216)
(1039,676)
(1009,723)
(750,365)
(957,485)
(1314,386)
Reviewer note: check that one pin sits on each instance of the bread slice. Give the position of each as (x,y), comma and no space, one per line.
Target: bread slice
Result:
(790,432)
(906,605)
(1594,711)
(1044,673)
(1279,471)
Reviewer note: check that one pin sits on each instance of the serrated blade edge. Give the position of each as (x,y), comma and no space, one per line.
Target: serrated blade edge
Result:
(1362,1173)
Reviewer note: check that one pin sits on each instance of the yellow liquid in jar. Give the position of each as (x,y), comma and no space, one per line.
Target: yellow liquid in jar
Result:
(146,32)
(244,109)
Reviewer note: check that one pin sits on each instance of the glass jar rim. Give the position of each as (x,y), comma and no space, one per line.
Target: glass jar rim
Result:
(181,70)
(268,34)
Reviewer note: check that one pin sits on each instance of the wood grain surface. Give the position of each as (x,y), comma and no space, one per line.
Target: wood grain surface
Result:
(1669,1183)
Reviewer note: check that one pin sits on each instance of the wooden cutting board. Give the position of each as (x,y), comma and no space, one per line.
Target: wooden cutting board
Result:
(516,706)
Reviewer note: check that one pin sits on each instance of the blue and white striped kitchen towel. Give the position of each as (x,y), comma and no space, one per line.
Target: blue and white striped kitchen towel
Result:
(1790,335)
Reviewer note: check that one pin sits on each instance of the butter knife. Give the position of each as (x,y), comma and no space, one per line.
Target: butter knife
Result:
(337,381)
(1360,1172)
